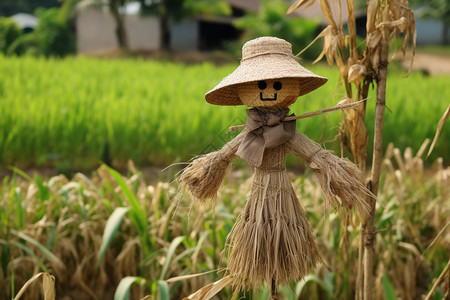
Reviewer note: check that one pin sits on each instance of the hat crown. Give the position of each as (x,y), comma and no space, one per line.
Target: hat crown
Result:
(266,45)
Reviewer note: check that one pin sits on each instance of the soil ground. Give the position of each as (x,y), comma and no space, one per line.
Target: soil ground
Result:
(431,64)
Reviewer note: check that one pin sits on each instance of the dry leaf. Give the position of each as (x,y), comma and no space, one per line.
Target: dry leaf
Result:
(183,277)
(356,72)
(391,24)
(373,39)
(48,285)
(298,4)
(439,128)
(208,291)
(325,6)
(372,8)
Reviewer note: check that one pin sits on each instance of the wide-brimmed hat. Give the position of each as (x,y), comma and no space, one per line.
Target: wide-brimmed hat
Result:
(263,58)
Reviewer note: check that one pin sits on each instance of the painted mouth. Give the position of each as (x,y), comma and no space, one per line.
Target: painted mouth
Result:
(267,99)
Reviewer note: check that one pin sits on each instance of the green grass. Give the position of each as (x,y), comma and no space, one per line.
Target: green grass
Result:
(75,113)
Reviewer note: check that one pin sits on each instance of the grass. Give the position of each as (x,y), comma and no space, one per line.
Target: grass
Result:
(72,114)
(119,235)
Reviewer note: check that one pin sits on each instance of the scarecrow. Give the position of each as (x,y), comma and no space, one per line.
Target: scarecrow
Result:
(272,241)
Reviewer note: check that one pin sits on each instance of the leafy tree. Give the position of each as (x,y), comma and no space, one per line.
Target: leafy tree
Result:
(54,35)
(271,20)
(51,37)
(9,32)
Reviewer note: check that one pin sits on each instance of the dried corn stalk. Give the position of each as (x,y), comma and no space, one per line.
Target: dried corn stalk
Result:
(359,69)
(385,19)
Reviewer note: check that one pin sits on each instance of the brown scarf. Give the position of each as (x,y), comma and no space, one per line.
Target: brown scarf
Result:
(265,129)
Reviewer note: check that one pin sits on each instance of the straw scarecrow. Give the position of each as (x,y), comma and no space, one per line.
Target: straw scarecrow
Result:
(272,240)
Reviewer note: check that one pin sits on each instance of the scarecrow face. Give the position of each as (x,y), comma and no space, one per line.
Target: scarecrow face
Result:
(273,92)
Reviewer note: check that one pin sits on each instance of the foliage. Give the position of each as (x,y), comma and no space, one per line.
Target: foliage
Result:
(271,20)
(51,37)
(146,235)
(182,9)
(9,31)
(11,7)
(71,113)
(54,35)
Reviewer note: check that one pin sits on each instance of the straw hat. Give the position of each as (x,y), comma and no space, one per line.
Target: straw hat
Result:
(262,59)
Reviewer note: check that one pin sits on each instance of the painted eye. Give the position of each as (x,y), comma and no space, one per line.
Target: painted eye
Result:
(262,85)
(277,85)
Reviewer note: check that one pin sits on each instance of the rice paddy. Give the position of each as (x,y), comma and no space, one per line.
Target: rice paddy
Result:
(75,113)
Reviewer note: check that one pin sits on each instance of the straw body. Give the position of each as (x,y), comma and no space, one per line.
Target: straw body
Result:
(272,238)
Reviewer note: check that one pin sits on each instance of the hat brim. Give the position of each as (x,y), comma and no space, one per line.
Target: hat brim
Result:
(264,67)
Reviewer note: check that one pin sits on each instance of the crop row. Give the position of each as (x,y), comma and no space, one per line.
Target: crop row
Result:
(75,113)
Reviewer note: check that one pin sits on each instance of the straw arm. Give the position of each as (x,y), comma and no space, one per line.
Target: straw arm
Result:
(341,180)
(205,174)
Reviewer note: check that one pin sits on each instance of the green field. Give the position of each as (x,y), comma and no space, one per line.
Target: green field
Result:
(74,113)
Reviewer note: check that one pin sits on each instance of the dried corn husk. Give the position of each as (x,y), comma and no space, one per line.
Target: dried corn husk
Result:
(202,178)
(340,180)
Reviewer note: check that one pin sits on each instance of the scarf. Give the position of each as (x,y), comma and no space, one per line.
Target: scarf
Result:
(265,129)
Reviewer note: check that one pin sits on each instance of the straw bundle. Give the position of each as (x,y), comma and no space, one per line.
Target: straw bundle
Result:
(205,174)
(340,180)
(272,239)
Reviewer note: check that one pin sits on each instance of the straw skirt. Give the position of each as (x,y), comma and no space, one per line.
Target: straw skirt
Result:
(272,240)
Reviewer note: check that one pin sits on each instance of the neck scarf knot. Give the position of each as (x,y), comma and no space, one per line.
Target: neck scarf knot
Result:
(265,129)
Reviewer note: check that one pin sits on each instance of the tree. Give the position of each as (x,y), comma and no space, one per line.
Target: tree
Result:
(9,31)
(271,20)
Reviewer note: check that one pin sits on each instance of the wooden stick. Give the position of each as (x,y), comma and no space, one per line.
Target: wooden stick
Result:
(310,114)
(273,290)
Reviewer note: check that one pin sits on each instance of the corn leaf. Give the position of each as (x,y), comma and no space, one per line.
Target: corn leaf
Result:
(123,289)
(47,253)
(139,216)
(111,228)
(439,128)
(173,246)
(388,289)
(163,288)
(311,278)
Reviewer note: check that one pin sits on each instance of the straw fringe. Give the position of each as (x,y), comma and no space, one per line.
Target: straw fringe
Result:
(202,178)
(340,180)
(272,238)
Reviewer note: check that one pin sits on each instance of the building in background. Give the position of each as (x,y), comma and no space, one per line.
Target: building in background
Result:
(95,28)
